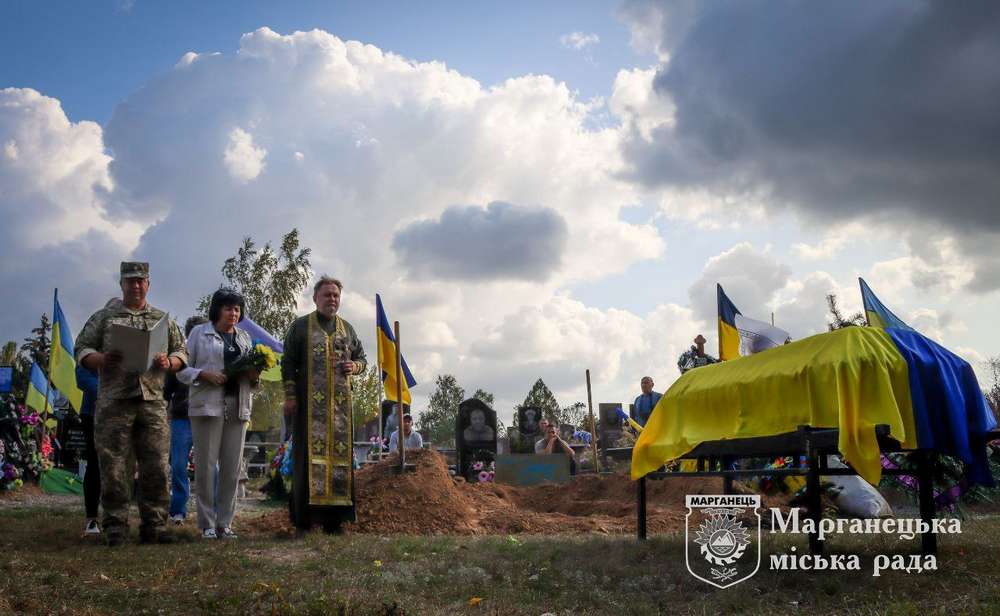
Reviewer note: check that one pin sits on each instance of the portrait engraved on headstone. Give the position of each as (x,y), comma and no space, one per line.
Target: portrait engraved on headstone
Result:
(475,434)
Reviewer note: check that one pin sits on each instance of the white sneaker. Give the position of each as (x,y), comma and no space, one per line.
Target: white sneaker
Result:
(177,519)
(209,533)
(226,533)
(92,528)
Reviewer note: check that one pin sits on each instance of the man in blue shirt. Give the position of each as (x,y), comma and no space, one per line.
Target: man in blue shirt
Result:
(644,404)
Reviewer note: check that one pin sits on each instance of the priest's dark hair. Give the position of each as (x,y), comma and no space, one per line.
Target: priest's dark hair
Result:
(225,297)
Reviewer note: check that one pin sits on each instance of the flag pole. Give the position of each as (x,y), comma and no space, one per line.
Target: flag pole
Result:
(593,426)
(399,400)
(378,360)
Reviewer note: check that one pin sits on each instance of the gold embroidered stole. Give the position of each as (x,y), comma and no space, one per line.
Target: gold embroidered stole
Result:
(328,403)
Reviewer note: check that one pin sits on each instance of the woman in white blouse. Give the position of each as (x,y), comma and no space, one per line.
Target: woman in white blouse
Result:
(219,408)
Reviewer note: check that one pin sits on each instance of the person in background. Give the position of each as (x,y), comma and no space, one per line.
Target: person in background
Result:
(219,408)
(543,427)
(646,402)
(86,380)
(411,438)
(695,357)
(176,395)
(555,445)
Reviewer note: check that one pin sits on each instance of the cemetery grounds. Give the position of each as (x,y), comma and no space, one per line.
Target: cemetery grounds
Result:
(428,544)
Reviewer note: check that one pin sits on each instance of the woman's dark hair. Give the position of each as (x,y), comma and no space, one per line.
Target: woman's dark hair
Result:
(225,297)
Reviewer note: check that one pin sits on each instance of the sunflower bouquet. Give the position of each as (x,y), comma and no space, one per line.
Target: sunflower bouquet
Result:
(260,358)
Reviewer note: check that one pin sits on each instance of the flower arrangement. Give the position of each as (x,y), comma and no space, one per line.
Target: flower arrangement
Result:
(582,436)
(260,358)
(482,471)
(20,459)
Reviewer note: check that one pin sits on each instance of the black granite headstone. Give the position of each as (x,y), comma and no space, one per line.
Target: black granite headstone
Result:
(611,424)
(390,417)
(475,436)
(528,431)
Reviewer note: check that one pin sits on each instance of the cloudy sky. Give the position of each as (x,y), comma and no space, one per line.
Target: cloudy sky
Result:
(534,188)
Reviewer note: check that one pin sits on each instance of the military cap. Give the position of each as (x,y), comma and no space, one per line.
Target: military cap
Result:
(134,269)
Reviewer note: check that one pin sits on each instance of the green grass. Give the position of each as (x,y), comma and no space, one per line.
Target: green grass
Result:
(45,567)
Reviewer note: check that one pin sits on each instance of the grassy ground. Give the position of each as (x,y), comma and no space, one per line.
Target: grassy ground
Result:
(46,567)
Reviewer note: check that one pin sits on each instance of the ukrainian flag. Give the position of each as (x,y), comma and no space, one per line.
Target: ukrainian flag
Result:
(852,379)
(729,335)
(259,335)
(875,311)
(387,357)
(37,386)
(62,365)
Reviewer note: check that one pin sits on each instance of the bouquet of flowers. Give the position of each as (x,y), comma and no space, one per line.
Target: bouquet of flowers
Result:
(484,472)
(260,358)
(582,436)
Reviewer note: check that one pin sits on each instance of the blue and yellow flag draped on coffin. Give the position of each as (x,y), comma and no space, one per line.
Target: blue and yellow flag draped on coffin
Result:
(876,313)
(387,357)
(852,379)
(62,363)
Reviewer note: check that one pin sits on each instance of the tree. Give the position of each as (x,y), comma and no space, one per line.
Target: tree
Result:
(271,282)
(993,392)
(366,388)
(837,319)
(541,396)
(575,414)
(485,396)
(438,421)
(36,347)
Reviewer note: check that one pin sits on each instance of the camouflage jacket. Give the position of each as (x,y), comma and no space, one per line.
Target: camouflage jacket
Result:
(95,337)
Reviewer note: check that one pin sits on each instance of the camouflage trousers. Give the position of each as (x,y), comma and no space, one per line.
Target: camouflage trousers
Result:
(136,427)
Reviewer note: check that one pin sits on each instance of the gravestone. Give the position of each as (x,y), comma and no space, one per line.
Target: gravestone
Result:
(390,417)
(521,469)
(611,424)
(475,436)
(528,431)
(566,432)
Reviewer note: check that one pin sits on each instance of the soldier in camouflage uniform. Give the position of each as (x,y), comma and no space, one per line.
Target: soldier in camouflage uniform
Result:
(131,412)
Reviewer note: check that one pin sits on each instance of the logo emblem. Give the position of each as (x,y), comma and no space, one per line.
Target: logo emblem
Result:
(722,538)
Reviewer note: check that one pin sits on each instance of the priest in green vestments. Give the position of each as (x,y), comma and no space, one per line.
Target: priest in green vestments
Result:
(322,351)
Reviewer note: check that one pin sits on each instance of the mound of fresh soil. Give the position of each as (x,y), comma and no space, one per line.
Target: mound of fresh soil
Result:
(431,502)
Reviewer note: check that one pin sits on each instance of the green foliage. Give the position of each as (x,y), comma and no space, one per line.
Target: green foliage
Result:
(271,282)
(438,421)
(36,347)
(485,396)
(838,320)
(365,387)
(9,354)
(541,396)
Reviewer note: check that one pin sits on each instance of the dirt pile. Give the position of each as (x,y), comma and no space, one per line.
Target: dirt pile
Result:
(431,502)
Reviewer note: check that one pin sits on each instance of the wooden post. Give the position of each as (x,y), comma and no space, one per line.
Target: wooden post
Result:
(593,426)
(640,501)
(400,438)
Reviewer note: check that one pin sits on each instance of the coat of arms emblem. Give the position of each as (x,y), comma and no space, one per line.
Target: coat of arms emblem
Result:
(722,538)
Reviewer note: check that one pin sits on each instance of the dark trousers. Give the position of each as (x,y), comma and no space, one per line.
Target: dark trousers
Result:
(92,477)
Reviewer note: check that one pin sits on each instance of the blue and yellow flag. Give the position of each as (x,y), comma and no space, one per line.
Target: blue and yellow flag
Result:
(37,386)
(729,335)
(62,364)
(387,357)
(259,335)
(875,311)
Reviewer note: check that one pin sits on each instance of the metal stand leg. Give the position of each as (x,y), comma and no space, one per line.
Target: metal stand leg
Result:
(813,501)
(641,509)
(925,486)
